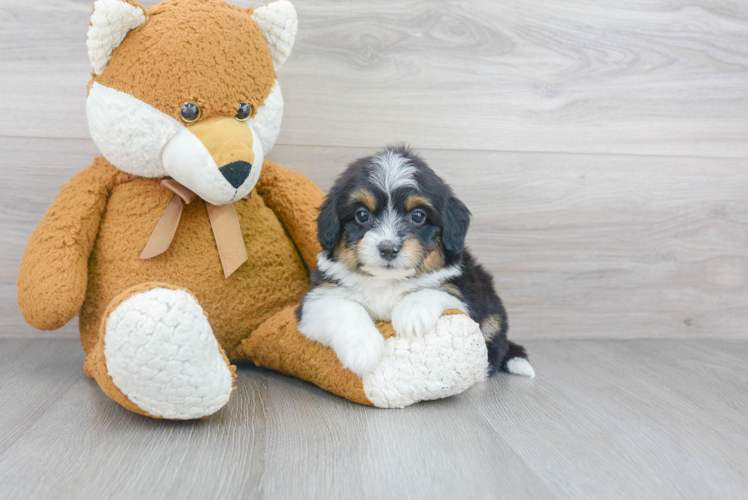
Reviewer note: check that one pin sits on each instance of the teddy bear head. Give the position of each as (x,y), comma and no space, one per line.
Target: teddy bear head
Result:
(187,89)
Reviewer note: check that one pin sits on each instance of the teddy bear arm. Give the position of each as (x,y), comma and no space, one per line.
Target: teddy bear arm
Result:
(295,200)
(53,275)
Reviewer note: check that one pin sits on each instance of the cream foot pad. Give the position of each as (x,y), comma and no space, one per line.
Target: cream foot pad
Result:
(161,353)
(446,361)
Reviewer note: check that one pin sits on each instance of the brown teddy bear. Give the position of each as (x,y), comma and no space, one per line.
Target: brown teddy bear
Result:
(181,248)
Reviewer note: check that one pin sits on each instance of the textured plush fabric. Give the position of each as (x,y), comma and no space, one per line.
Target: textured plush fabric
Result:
(295,200)
(111,20)
(54,268)
(160,351)
(447,360)
(95,364)
(273,278)
(279,23)
(278,345)
(84,257)
(199,59)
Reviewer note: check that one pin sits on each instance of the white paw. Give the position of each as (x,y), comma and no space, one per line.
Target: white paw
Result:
(415,318)
(161,353)
(362,353)
(520,366)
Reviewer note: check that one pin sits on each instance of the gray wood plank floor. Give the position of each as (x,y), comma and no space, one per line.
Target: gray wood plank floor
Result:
(603,419)
(601,146)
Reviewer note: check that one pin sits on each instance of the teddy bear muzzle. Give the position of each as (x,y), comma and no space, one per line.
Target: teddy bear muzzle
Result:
(220,159)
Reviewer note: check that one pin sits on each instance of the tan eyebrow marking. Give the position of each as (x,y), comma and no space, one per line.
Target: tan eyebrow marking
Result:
(366,197)
(414,201)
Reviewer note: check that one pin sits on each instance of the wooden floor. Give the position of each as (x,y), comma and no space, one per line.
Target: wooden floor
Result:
(603,419)
(602,147)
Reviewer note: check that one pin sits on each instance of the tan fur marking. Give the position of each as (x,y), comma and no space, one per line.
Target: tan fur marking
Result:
(491,326)
(366,197)
(347,255)
(414,201)
(433,261)
(452,290)
(413,252)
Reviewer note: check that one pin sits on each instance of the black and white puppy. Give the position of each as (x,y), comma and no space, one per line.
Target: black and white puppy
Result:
(393,235)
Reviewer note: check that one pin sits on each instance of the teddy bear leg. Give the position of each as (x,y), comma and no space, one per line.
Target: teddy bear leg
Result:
(445,361)
(157,355)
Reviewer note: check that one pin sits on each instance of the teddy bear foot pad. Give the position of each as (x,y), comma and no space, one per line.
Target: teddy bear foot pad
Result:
(446,361)
(160,352)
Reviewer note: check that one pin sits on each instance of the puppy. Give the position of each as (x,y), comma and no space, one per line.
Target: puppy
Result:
(393,235)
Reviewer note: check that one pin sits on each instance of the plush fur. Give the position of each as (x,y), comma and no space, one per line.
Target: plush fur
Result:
(393,240)
(159,333)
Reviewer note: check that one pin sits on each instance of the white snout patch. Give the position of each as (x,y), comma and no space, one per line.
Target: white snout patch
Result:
(386,229)
(189,162)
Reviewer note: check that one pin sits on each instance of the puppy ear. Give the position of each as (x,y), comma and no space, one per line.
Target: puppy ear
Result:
(454,230)
(328,223)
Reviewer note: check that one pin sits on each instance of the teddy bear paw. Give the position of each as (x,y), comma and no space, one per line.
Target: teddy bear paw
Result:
(161,353)
(445,361)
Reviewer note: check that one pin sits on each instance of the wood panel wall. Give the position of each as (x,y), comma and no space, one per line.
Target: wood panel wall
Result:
(602,146)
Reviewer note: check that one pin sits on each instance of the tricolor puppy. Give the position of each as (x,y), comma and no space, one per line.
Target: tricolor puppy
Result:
(393,236)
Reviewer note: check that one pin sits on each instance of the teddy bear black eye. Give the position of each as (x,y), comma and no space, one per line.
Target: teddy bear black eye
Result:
(244,111)
(418,217)
(190,112)
(362,216)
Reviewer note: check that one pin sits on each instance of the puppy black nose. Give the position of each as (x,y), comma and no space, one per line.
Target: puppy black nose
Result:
(389,250)
(236,172)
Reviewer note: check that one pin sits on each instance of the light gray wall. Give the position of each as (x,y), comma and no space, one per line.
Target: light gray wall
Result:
(601,145)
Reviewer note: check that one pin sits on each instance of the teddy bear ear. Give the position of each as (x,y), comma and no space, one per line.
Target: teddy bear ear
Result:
(278,23)
(111,20)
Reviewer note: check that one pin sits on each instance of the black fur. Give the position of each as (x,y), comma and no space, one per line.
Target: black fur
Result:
(447,224)
(477,290)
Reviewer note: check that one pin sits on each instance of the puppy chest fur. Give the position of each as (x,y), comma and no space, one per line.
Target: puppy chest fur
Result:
(393,240)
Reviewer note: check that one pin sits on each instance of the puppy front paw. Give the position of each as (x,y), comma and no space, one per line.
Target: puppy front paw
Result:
(363,353)
(415,318)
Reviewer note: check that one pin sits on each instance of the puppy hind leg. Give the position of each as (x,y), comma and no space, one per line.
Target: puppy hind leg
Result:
(516,361)
(507,356)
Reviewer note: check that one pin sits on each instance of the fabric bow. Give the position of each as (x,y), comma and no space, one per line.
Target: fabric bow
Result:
(223,221)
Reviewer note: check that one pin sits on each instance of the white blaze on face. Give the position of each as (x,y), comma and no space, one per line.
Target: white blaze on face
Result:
(389,172)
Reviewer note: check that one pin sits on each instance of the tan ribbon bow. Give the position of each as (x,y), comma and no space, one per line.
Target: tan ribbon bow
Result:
(223,221)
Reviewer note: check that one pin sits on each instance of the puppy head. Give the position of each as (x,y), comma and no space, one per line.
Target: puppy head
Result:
(391,216)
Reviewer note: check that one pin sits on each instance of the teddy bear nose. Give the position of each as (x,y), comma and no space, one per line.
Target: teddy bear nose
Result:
(236,172)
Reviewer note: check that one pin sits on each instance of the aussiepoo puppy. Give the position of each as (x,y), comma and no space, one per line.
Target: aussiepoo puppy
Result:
(393,249)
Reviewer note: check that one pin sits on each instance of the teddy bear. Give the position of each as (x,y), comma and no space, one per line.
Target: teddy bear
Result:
(181,248)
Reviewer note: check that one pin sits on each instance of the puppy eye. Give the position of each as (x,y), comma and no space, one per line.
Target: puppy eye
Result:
(190,112)
(418,217)
(362,216)
(244,111)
